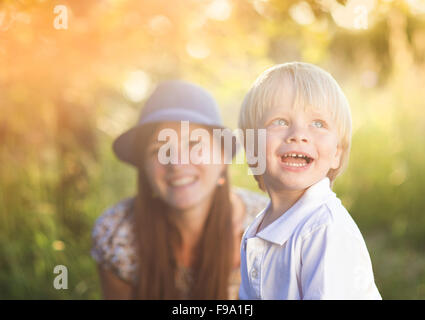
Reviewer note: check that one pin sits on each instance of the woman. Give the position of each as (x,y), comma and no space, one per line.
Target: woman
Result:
(179,237)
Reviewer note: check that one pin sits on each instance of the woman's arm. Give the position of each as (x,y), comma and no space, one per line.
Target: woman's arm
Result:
(113,288)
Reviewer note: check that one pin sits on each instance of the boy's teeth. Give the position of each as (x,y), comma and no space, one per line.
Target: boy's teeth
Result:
(300,160)
(182,181)
(296,164)
(295,155)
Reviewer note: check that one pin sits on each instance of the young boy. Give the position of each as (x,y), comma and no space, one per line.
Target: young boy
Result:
(304,245)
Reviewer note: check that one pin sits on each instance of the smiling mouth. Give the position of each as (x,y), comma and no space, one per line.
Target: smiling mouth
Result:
(183,181)
(296,159)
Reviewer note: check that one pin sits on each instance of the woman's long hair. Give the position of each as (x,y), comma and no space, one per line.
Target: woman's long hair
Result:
(158,239)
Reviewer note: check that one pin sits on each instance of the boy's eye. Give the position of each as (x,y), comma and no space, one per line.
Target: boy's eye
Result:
(280,122)
(319,123)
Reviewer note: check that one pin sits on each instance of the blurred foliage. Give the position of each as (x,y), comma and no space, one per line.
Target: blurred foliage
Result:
(65,94)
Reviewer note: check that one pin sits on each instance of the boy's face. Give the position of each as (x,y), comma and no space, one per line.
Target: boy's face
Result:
(291,133)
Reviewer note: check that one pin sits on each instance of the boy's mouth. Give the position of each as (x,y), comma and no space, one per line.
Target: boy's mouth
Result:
(296,159)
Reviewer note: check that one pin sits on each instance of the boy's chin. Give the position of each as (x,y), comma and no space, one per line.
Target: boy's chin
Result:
(289,184)
(298,184)
(295,186)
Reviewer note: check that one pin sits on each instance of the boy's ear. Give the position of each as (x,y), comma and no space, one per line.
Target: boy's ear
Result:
(336,161)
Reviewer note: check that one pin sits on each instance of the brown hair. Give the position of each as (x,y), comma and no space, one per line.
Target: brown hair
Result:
(158,240)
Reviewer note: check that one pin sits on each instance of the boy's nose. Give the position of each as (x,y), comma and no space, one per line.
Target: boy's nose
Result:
(297,136)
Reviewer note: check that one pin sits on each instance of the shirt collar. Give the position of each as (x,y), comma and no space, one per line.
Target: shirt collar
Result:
(282,228)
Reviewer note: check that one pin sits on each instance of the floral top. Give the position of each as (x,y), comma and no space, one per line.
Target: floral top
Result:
(114,246)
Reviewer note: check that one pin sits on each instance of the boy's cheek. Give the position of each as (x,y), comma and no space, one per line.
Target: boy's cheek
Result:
(272,144)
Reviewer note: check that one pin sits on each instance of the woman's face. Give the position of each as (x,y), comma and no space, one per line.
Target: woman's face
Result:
(175,170)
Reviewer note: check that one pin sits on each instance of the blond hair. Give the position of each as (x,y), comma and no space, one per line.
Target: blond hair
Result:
(313,88)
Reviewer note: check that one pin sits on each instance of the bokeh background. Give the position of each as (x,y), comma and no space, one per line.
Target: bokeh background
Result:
(69,84)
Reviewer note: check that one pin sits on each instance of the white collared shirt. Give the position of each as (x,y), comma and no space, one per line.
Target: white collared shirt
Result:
(313,251)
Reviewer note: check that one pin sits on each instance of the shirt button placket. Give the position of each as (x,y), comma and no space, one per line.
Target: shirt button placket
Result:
(256,269)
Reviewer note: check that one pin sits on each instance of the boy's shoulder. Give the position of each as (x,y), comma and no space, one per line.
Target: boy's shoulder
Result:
(330,214)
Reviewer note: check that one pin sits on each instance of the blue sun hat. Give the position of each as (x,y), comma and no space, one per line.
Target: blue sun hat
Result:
(172,100)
